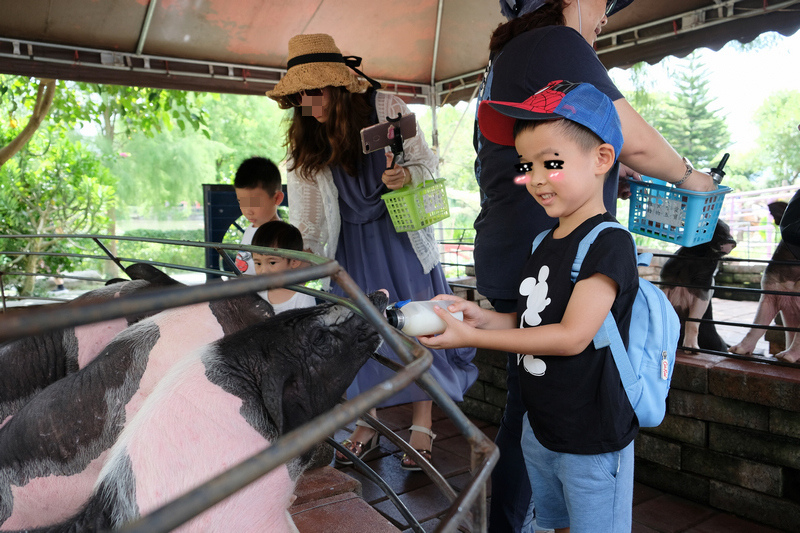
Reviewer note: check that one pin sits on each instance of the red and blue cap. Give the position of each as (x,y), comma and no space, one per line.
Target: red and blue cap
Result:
(579,102)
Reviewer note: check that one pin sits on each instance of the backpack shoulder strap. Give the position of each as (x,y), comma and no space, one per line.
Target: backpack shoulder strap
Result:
(586,242)
(538,239)
(608,334)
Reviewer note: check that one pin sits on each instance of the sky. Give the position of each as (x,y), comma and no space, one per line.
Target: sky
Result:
(740,81)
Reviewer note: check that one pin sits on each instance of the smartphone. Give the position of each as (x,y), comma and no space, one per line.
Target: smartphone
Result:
(377,136)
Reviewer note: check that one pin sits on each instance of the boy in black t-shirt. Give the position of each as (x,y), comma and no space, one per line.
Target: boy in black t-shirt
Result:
(579,430)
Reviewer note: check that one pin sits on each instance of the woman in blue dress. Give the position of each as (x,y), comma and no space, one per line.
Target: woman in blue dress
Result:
(335,193)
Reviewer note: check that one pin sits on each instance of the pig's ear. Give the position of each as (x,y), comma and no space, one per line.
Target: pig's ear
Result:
(149,273)
(272,394)
(286,400)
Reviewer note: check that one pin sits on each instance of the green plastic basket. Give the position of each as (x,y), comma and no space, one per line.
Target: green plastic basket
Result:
(413,208)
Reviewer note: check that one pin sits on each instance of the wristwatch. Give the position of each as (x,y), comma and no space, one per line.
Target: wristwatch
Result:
(688,173)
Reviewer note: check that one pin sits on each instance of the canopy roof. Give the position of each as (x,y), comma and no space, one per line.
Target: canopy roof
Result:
(429,51)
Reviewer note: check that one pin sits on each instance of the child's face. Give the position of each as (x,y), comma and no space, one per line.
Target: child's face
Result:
(257,205)
(271,264)
(563,177)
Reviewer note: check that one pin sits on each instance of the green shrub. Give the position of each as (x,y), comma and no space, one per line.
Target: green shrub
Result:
(164,253)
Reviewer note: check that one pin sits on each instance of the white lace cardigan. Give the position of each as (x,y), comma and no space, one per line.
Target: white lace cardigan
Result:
(314,204)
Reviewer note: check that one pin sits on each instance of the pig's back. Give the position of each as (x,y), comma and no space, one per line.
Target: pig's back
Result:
(188,431)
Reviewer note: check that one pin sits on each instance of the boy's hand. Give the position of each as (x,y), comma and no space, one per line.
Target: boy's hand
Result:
(458,332)
(473,314)
(455,336)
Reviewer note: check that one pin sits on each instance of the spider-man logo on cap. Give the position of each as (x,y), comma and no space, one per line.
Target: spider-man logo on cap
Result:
(578,102)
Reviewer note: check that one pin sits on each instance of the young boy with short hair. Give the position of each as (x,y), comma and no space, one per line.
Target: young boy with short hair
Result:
(259,193)
(282,235)
(578,433)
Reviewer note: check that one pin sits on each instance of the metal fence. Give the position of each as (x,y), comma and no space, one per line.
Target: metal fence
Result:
(467,507)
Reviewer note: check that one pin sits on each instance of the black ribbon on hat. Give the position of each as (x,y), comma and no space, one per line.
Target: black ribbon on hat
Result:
(353,62)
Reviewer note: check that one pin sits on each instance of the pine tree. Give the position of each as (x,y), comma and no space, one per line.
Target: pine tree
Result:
(691,125)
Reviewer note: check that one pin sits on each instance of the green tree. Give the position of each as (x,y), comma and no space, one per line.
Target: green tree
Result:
(103,110)
(779,138)
(164,170)
(53,185)
(247,126)
(35,100)
(691,126)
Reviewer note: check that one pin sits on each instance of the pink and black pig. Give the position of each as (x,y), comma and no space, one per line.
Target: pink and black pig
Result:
(53,448)
(224,403)
(30,364)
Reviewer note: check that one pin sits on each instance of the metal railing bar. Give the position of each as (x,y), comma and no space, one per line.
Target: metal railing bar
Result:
(51,275)
(23,324)
(474,491)
(484,452)
(741,324)
(109,254)
(482,447)
(418,458)
(727,259)
(3,290)
(752,358)
(370,474)
(292,254)
(726,288)
(38,298)
(228,261)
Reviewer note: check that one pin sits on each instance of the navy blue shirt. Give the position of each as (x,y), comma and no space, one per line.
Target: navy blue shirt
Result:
(510,218)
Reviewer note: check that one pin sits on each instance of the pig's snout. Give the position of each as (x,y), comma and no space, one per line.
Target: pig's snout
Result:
(380,299)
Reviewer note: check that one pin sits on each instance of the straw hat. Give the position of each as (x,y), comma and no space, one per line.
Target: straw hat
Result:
(315,62)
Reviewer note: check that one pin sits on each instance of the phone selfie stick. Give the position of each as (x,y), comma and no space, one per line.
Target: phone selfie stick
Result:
(396,137)
(717,173)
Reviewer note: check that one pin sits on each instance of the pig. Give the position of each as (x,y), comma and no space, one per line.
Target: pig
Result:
(30,364)
(781,274)
(224,403)
(697,265)
(52,450)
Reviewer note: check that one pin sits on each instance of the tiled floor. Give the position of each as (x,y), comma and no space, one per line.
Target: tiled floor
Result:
(653,511)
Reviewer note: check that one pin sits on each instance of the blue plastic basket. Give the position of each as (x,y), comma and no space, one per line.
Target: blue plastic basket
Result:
(664,212)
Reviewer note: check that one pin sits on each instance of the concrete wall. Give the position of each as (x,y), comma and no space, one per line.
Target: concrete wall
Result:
(731,439)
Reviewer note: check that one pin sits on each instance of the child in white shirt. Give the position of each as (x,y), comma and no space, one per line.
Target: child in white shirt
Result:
(258,191)
(282,235)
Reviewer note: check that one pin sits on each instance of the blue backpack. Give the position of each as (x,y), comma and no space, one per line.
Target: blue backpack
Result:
(646,366)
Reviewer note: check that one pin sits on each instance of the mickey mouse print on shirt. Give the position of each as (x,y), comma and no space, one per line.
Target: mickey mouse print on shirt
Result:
(536,292)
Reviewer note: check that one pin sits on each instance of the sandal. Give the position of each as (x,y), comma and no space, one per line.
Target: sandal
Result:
(406,462)
(360,449)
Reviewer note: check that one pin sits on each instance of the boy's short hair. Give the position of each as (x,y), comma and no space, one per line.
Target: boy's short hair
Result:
(585,138)
(581,103)
(278,234)
(258,172)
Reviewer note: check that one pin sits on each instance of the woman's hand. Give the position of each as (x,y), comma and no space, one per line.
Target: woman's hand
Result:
(626,174)
(699,181)
(397,176)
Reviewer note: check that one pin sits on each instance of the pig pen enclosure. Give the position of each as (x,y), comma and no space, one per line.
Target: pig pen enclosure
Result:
(467,507)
